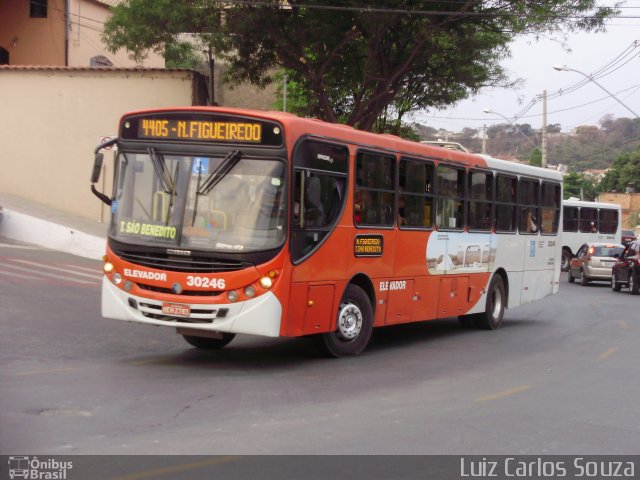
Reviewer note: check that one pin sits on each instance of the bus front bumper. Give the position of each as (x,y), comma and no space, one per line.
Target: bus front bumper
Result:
(258,316)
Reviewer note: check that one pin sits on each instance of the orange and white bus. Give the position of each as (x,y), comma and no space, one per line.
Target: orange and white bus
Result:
(228,221)
(588,222)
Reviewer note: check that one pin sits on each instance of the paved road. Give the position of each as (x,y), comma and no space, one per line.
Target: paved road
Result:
(559,378)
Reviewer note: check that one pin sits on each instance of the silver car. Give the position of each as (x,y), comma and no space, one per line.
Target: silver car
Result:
(594,261)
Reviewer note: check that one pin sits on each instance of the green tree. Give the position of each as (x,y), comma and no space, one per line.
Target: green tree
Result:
(579,186)
(182,55)
(355,63)
(624,173)
(535,158)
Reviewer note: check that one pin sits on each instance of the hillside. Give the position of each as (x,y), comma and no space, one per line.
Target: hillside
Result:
(587,147)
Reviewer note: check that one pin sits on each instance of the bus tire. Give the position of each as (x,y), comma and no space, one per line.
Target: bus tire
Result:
(634,285)
(571,277)
(206,343)
(565,259)
(354,325)
(491,318)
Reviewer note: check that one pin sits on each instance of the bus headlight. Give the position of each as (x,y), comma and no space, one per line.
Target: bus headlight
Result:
(108,267)
(250,291)
(117,278)
(232,295)
(266,283)
(128,285)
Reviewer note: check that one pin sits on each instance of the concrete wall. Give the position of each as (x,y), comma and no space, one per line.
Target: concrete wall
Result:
(52,119)
(630,204)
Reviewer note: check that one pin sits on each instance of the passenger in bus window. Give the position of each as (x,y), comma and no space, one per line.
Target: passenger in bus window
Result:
(401,210)
(314,214)
(530,224)
(361,202)
(594,229)
(336,199)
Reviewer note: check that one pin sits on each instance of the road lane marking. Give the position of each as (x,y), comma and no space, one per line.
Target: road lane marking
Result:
(96,271)
(608,353)
(180,468)
(51,275)
(42,372)
(149,360)
(20,247)
(19,275)
(95,275)
(504,393)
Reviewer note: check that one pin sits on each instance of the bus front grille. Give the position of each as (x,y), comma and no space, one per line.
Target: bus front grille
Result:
(181,264)
(195,293)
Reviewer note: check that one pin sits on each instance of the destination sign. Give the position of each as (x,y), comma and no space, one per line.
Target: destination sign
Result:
(201,127)
(200,130)
(368,245)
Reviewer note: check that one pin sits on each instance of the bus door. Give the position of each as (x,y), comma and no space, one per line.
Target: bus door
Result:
(319,247)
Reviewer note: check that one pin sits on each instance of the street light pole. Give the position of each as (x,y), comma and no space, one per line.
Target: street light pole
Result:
(488,110)
(591,79)
(544,128)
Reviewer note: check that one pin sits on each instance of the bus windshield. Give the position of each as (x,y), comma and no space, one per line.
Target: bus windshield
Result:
(209,203)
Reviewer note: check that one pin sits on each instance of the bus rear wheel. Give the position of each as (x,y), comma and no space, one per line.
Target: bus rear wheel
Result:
(491,318)
(354,325)
(206,343)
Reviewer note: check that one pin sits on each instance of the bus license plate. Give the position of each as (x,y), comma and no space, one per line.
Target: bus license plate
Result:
(176,309)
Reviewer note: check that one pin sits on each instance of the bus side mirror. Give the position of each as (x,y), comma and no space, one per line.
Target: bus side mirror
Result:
(97,167)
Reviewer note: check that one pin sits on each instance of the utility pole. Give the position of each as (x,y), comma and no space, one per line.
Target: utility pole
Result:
(284,93)
(212,67)
(544,129)
(484,139)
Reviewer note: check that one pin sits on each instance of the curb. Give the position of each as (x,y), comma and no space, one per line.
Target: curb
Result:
(36,231)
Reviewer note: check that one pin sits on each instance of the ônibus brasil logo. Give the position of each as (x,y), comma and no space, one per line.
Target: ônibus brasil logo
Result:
(35,469)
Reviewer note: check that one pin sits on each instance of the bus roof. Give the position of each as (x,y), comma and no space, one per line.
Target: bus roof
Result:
(298,126)
(521,169)
(586,203)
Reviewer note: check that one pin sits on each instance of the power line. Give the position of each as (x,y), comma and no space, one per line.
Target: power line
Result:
(370,9)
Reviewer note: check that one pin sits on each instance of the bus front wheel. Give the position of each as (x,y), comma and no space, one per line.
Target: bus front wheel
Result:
(206,343)
(354,325)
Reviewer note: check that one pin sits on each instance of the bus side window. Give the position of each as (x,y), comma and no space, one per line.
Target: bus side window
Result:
(416,193)
(449,197)
(506,206)
(550,210)
(374,200)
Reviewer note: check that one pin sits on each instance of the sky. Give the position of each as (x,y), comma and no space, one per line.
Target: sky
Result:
(533,61)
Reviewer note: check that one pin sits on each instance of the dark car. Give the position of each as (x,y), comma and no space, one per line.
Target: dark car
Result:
(626,270)
(628,236)
(593,261)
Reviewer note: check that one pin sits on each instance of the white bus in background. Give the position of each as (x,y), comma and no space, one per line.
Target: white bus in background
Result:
(584,222)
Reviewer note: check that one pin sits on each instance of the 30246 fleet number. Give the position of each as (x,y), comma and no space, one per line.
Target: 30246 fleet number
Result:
(206,282)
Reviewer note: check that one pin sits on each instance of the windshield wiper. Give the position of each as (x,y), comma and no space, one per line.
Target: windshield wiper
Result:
(214,178)
(174,182)
(219,173)
(160,169)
